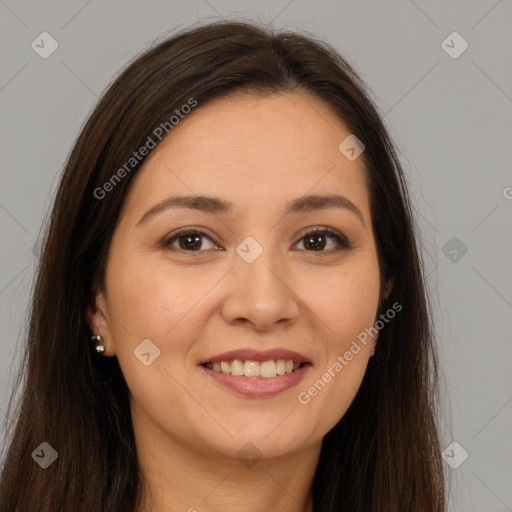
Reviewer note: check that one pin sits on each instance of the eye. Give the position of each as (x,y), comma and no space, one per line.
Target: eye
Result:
(189,240)
(313,239)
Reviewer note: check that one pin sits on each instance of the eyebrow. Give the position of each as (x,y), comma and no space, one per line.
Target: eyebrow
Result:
(215,205)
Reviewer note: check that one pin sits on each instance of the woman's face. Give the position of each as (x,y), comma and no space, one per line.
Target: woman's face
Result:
(257,291)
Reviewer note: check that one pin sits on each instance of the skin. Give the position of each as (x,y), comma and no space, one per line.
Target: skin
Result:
(258,152)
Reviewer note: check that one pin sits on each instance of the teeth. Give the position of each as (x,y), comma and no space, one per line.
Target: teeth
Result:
(268,369)
(237,367)
(250,368)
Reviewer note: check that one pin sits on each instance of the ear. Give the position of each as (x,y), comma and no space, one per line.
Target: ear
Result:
(99,321)
(388,287)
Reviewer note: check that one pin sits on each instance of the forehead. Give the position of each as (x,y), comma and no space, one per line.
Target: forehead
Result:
(253,150)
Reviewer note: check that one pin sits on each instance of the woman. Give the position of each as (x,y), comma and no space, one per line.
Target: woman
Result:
(230,244)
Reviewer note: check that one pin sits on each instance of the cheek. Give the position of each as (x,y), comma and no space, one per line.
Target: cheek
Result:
(346,302)
(151,298)
(160,302)
(153,301)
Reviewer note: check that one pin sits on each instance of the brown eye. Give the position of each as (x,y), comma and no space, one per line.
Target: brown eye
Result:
(191,240)
(188,240)
(315,241)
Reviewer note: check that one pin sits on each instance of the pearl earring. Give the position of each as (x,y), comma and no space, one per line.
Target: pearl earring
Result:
(100,348)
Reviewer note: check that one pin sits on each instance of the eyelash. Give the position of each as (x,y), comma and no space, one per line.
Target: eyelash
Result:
(341,240)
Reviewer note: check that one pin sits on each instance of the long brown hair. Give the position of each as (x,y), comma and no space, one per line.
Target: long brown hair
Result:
(383,454)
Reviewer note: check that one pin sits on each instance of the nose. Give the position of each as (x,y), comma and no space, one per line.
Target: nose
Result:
(261,293)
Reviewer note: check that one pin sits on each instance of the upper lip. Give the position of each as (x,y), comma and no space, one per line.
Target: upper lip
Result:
(257,355)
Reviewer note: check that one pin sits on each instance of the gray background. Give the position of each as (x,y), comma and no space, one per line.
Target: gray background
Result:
(451,119)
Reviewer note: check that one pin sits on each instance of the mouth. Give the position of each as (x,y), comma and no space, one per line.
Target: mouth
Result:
(257,374)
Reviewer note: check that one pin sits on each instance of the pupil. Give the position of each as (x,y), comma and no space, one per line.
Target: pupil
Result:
(315,246)
(194,238)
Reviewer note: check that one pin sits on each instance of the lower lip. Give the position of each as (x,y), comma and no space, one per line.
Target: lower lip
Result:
(259,387)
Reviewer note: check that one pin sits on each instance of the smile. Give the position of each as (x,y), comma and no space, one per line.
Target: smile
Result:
(255,369)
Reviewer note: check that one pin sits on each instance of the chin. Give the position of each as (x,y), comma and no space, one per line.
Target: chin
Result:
(264,439)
